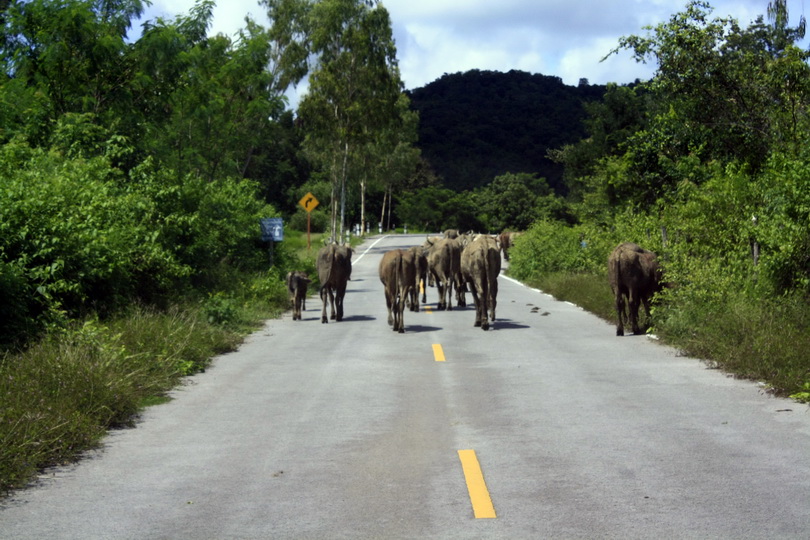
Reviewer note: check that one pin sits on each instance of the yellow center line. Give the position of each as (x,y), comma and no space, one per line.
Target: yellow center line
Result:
(438,352)
(479,494)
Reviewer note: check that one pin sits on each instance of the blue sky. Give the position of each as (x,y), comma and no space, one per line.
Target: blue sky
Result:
(552,37)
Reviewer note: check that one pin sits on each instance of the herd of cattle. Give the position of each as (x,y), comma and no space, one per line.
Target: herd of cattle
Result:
(464,263)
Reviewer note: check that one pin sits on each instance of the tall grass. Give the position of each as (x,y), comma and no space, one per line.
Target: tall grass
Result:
(60,395)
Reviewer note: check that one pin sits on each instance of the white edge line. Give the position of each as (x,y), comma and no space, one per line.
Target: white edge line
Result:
(380,239)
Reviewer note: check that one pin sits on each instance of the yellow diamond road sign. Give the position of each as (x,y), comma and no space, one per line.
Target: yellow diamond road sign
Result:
(309,202)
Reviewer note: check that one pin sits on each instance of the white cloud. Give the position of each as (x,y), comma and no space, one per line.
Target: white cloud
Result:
(552,37)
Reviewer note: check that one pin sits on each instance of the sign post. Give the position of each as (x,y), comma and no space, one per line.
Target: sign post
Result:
(272,231)
(308,202)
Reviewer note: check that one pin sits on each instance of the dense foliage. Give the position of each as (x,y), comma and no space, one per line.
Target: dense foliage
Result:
(705,165)
(481,124)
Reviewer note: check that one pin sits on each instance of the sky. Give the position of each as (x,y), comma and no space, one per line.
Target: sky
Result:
(566,39)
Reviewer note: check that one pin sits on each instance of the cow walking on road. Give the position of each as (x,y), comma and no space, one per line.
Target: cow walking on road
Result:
(334,265)
(634,276)
(297,283)
(420,279)
(398,276)
(443,263)
(481,265)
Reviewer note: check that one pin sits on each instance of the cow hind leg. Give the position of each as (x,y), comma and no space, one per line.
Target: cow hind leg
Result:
(390,305)
(401,313)
(333,313)
(339,304)
(619,313)
(477,302)
(633,304)
(646,301)
(324,299)
(485,308)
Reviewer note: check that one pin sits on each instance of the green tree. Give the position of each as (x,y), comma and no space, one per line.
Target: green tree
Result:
(62,57)
(209,101)
(714,98)
(609,125)
(353,88)
(435,208)
(390,159)
(511,201)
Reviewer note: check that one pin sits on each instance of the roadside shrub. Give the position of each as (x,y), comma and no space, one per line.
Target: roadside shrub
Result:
(15,315)
(72,239)
(783,224)
(319,221)
(548,247)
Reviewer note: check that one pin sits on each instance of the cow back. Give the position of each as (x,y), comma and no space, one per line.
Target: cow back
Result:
(633,268)
(334,265)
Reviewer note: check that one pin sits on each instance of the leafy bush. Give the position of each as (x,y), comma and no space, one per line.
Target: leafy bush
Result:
(318,223)
(76,237)
(548,247)
(204,223)
(72,237)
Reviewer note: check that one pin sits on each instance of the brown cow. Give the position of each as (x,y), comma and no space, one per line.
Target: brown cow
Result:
(398,276)
(443,257)
(633,273)
(420,280)
(334,264)
(297,287)
(506,240)
(481,264)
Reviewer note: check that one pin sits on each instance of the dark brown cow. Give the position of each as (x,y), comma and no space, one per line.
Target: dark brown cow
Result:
(420,280)
(506,240)
(634,274)
(297,283)
(481,264)
(334,265)
(443,258)
(398,276)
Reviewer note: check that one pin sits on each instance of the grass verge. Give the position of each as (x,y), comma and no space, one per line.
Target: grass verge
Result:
(60,395)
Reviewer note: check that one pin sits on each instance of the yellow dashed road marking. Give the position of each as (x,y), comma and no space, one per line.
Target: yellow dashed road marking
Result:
(438,352)
(479,494)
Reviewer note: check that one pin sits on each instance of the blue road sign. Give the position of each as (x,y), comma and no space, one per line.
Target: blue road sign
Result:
(272,229)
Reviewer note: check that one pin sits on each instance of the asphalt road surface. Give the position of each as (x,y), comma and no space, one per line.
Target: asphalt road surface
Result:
(546,426)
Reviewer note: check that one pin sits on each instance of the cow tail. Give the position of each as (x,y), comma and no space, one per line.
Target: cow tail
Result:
(485,281)
(331,265)
(398,271)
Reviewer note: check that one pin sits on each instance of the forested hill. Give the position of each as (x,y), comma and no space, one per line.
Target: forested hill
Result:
(477,125)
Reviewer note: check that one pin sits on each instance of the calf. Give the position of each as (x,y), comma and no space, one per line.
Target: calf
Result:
(297,283)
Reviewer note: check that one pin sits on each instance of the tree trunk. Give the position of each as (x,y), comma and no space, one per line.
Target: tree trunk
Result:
(382,214)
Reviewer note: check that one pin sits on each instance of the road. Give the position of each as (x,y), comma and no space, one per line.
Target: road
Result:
(546,426)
